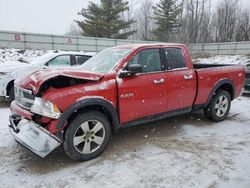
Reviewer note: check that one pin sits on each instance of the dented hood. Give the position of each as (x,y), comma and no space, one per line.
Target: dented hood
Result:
(35,80)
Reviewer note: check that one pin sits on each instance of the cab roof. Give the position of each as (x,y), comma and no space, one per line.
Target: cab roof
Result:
(141,45)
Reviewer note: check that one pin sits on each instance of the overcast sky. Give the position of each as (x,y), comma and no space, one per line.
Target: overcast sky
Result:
(41,16)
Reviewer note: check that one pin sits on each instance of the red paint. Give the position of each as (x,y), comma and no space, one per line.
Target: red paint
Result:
(21,111)
(17,37)
(137,96)
(51,127)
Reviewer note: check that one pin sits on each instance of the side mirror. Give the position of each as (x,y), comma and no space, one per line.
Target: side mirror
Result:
(131,70)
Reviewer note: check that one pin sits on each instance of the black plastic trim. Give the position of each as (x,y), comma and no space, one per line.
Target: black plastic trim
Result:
(155,117)
(90,102)
(218,85)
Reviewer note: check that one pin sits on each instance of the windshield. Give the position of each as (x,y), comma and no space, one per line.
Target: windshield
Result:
(106,60)
(43,59)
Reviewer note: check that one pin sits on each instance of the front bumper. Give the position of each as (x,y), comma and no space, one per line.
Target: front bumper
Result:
(33,136)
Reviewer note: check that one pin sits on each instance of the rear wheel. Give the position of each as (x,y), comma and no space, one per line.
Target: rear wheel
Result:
(219,106)
(87,136)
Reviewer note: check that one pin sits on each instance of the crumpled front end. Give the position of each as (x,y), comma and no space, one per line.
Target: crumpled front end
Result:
(33,136)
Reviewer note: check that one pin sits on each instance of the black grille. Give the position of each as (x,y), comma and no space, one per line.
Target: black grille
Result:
(24,98)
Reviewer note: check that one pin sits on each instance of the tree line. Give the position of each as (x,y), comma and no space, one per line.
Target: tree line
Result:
(187,21)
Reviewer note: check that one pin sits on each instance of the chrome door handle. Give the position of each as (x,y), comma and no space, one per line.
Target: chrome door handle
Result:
(188,77)
(159,81)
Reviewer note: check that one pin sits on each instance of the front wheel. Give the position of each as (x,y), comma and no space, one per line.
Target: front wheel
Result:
(87,136)
(219,106)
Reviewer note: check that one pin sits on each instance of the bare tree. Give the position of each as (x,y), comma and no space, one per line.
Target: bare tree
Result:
(131,14)
(225,20)
(205,23)
(144,20)
(197,18)
(243,29)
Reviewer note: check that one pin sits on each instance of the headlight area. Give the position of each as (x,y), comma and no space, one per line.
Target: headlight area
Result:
(45,108)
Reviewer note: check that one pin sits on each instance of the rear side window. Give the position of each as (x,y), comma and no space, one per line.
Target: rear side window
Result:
(81,59)
(174,58)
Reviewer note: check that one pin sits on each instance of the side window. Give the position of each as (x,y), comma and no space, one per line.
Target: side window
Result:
(149,59)
(63,60)
(174,58)
(80,59)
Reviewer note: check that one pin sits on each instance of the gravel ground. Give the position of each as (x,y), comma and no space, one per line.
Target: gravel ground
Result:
(185,151)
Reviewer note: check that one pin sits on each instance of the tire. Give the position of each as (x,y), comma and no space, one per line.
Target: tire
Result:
(11,94)
(219,106)
(87,136)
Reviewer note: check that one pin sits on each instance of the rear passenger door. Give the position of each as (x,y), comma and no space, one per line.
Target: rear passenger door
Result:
(180,80)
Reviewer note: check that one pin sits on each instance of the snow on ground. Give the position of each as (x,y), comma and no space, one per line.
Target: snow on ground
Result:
(26,56)
(186,151)
(225,59)
(18,55)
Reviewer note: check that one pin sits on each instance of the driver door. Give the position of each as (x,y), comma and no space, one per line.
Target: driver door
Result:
(145,93)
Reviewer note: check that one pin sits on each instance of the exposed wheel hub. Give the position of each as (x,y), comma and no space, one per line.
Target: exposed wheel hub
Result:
(221,106)
(89,136)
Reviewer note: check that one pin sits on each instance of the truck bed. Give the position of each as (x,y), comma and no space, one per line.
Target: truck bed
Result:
(208,75)
(204,66)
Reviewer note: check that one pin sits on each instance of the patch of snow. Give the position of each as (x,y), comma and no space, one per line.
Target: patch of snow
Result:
(18,55)
(105,85)
(28,55)
(224,59)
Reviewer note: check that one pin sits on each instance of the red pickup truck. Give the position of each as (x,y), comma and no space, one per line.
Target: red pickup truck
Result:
(80,108)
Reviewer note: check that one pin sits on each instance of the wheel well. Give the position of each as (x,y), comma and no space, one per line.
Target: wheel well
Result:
(93,108)
(227,87)
(10,84)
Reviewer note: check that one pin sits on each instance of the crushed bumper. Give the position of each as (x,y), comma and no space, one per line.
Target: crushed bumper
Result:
(33,136)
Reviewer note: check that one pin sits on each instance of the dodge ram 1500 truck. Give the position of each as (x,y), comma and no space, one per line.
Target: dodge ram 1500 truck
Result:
(80,108)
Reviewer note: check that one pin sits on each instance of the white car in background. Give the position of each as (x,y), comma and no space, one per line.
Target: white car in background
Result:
(10,71)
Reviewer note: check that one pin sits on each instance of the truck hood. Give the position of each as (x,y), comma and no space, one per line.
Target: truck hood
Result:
(35,80)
